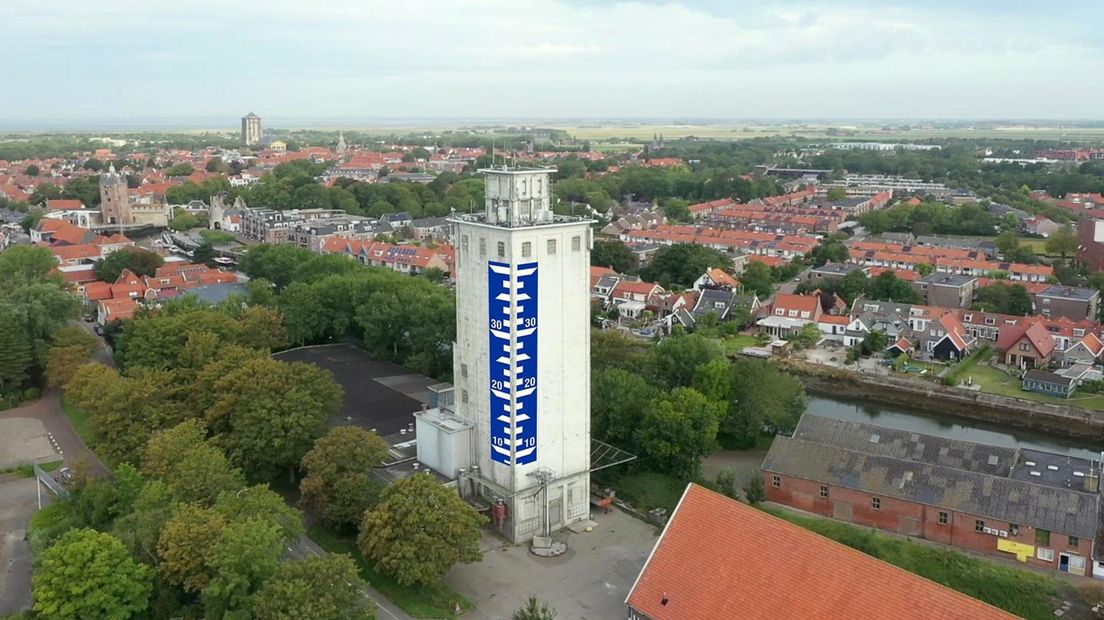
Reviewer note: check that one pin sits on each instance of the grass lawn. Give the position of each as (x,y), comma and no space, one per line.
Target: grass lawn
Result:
(734,344)
(646,490)
(995,381)
(418,601)
(1022,592)
(27,470)
(78,419)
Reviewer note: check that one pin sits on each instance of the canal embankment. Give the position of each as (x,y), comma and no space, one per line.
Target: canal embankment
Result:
(1059,420)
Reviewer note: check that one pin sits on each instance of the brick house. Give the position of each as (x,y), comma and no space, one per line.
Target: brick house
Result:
(1069,301)
(720,559)
(946,290)
(1041,509)
(1027,345)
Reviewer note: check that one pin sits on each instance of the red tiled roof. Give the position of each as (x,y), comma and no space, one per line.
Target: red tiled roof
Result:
(63,205)
(801,303)
(719,558)
(1035,332)
(721,277)
(1093,343)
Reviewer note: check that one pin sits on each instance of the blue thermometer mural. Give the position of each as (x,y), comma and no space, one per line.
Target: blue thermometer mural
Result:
(512,308)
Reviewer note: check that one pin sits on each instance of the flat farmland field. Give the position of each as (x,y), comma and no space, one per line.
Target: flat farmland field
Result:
(738,131)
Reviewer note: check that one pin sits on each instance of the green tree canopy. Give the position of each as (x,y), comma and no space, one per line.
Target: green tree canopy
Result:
(419,530)
(140,262)
(88,575)
(677,431)
(267,413)
(338,482)
(1062,242)
(681,264)
(1003,298)
(325,587)
(612,254)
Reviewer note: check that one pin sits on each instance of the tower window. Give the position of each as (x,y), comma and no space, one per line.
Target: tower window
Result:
(482,248)
(526,249)
(576,243)
(502,249)
(464,243)
(551,246)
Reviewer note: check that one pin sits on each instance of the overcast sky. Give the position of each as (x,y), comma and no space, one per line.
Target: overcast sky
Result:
(80,59)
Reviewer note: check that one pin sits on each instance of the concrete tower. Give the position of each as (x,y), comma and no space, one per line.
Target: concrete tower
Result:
(522,352)
(114,198)
(251,130)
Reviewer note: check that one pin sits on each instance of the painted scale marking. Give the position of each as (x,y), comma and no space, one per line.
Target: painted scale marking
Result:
(512,308)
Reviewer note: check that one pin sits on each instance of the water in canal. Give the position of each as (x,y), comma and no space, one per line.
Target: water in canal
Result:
(942,425)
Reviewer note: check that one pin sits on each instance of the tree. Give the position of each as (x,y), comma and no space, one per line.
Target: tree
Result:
(187,544)
(62,363)
(419,530)
(677,210)
(25,264)
(679,357)
(1063,242)
(836,194)
(831,249)
(31,170)
(204,254)
(124,410)
(267,413)
(887,286)
(193,469)
(140,262)
(754,490)
(88,575)
(275,263)
(682,264)
(325,587)
(677,431)
(535,610)
(612,254)
(757,279)
(618,399)
(1007,243)
(338,482)
(15,354)
(1003,298)
(261,503)
(179,170)
(184,221)
(806,337)
(757,396)
(247,554)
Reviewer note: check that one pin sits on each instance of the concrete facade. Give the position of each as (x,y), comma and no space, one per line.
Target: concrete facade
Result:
(251,130)
(538,468)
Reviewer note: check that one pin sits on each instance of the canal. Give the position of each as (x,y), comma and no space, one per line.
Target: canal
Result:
(930,422)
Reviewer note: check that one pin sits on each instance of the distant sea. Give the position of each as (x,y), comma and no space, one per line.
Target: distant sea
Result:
(221,123)
(233,124)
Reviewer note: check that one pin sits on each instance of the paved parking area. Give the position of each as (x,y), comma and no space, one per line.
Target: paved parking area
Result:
(24,440)
(589,582)
(17,503)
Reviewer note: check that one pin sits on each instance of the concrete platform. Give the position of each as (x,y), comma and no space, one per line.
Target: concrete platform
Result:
(24,440)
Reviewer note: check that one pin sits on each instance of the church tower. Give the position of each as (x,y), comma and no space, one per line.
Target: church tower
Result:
(522,352)
(341,151)
(114,199)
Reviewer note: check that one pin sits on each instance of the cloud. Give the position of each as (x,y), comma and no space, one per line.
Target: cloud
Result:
(448,58)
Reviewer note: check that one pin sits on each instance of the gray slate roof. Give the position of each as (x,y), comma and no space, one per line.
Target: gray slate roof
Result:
(958,475)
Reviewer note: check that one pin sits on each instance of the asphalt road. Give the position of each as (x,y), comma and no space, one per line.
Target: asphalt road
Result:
(18,501)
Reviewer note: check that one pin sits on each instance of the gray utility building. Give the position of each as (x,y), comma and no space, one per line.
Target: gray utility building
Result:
(946,290)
